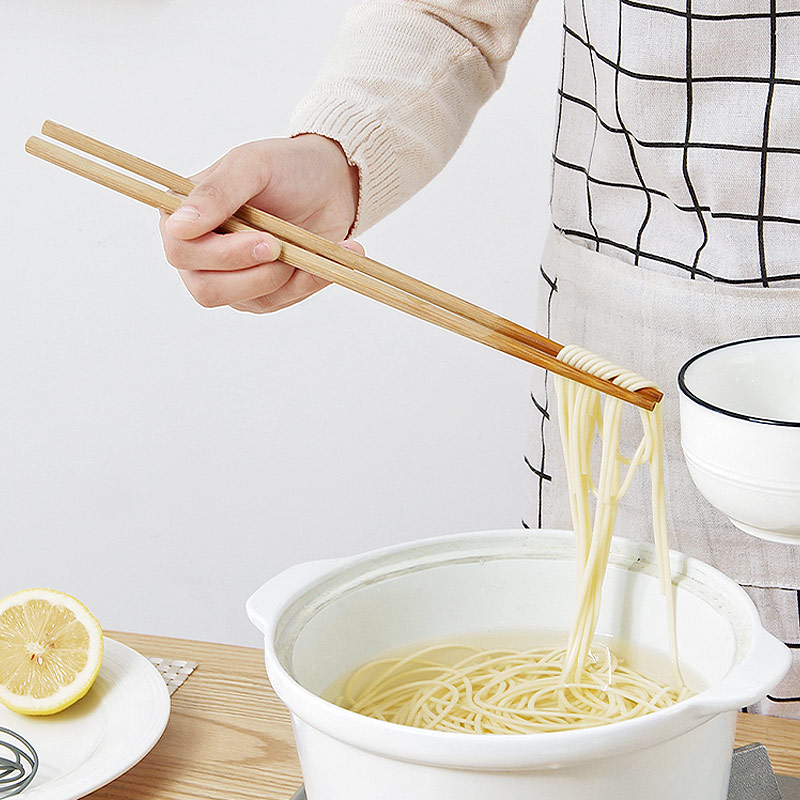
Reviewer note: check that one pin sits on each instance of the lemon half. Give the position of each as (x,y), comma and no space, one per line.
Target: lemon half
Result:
(51,649)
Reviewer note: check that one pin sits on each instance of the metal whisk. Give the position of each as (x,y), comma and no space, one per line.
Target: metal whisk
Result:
(18,763)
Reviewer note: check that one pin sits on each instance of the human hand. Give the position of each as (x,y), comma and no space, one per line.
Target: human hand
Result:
(305,180)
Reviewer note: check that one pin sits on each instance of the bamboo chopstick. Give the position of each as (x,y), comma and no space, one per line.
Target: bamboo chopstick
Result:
(303,238)
(311,253)
(309,241)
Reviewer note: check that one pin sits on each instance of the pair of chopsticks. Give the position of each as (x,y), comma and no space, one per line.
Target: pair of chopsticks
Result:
(306,251)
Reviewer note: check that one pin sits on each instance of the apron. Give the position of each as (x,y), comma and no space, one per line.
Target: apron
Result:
(652,323)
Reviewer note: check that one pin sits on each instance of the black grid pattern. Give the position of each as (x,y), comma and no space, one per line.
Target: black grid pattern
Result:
(538,464)
(678,136)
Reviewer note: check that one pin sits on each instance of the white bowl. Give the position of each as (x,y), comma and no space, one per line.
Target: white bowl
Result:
(323,619)
(740,431)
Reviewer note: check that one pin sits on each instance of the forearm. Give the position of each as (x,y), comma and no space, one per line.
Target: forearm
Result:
(402,85)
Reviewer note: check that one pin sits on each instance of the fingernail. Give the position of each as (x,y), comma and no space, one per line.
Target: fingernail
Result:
(186,214)
(264,251)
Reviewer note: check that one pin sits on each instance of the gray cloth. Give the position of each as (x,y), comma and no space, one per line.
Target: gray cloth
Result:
(752,777)
(652,323)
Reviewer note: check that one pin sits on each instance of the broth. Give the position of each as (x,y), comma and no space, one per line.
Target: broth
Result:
(554,706)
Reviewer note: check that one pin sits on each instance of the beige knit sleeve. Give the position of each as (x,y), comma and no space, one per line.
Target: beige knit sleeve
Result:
(402,85)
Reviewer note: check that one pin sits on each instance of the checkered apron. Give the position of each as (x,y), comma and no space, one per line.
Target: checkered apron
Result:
(676,207)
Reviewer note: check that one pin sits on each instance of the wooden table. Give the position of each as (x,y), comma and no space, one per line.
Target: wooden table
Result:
(229,737)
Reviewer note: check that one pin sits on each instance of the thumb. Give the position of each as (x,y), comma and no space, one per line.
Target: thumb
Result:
(352,244)
(221,190)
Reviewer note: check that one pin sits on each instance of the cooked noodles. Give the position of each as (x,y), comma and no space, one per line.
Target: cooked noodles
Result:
(458,687)
(501,691)
(581,411)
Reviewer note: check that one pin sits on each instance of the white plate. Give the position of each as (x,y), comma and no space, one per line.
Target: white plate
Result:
(103,735)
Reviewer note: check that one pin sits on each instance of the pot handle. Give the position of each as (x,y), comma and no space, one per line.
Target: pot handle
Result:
(751,681)
(271,598)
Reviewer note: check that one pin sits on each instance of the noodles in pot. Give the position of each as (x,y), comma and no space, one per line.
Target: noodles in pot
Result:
(460,687)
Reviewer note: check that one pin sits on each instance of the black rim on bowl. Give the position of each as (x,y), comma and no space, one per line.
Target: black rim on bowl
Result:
(700,401)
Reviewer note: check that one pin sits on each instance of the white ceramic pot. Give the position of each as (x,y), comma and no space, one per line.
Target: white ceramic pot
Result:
(740,432)
(323,619)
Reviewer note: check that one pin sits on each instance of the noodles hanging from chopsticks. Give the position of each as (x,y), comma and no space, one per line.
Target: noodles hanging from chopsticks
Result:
(580,413)
(457,687)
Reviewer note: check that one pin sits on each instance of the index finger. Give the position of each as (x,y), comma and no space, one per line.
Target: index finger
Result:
(219,192)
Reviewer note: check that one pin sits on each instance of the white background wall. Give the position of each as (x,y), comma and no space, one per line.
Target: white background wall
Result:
(161,460)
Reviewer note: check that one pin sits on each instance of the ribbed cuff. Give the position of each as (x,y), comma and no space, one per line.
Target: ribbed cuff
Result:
(367,145)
